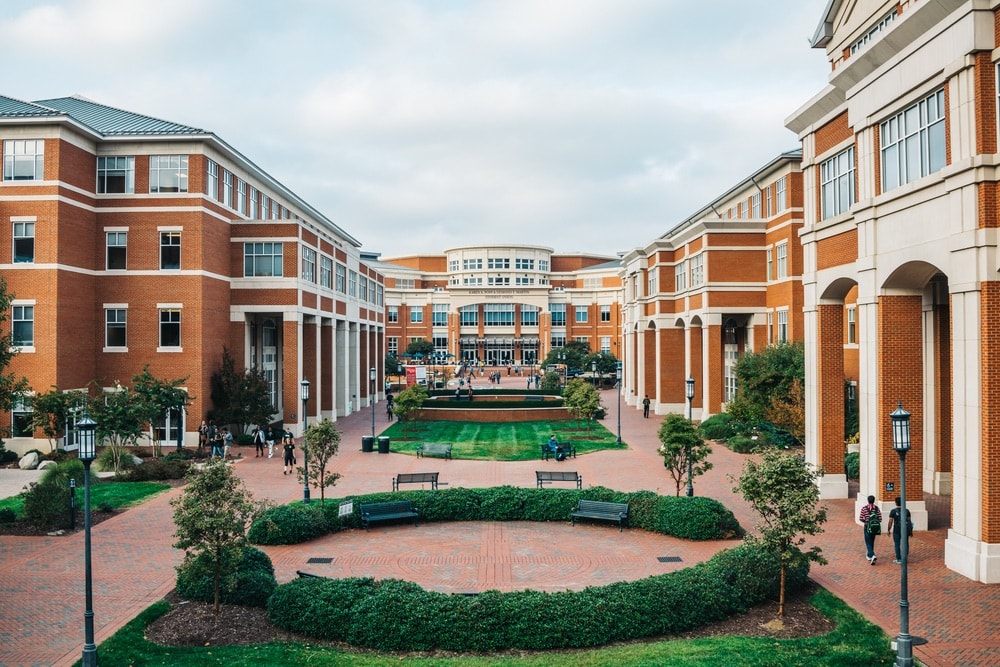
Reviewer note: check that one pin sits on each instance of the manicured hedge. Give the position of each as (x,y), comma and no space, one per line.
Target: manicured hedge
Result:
(465,404)
(394,615)
(694,518)
(489,391)
(251,584)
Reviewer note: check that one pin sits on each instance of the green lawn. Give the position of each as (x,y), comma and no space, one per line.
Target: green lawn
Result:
(854,642)
(500,441)
(116,494)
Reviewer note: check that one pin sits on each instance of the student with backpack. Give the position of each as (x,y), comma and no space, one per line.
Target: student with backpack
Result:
(871,520)
(895,527)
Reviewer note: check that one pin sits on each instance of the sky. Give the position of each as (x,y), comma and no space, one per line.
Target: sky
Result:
(582,125)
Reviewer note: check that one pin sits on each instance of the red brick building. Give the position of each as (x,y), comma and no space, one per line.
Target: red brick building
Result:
(130,241)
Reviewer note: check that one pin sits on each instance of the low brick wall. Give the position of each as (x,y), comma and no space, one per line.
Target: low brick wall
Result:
(498,415)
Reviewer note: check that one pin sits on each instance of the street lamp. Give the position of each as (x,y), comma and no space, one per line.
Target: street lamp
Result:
(593,372)
(371,398)
(304,395)
(618,383)
(690,397)
(87,454)
(901,443)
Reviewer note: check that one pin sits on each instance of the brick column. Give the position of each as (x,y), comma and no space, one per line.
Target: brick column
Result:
(695,345)
(830,397)
(672,371)
(989,350)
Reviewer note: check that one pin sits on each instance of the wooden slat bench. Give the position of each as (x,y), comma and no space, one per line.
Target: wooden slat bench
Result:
(399,509)
(435,449)
(596,509)
(567,447)
(548,476)
(415,478)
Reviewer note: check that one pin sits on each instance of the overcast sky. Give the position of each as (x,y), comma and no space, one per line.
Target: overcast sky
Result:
(583,125)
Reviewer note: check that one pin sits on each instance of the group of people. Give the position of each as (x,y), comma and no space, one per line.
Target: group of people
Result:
(220,440)
(871,520)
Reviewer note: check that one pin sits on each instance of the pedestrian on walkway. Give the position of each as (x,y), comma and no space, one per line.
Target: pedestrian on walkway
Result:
(645,407)
(289,449)
(259,440)
(272,437)
(871,521)
(388,407)
(227,443)
(896,527)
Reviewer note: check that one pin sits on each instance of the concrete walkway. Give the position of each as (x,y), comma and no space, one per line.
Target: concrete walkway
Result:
(41,579)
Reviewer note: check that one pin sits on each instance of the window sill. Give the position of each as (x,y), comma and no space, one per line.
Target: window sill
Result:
(23,349)
(115,349)
(170,349)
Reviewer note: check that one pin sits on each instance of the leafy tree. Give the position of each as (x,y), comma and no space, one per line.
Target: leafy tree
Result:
(574,351)
(582,401)
(157,397)
(408,403)
(12,386)
(782,489)
(765,377)
(679,441)
(322,441)
(392,364)
(607,363)
(551,381)
(789,411)
(50,411)
(120,416)
(420,346)
(241,398)
(212,517)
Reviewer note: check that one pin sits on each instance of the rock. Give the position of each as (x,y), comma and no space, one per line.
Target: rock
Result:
(46,464)
(136,461)
(29,461)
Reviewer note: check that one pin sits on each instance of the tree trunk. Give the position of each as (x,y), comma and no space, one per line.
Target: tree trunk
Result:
(781,592)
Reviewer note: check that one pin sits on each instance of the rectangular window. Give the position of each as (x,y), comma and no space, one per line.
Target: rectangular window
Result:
(265,206)
(440,346)
(439,315)
(755,205)
(308,265)
(114,327)
(779,195)
(524,264)
(23,160)
(743,210)
(837,183)
(769,266)
(543,265)
(913,144)
(852,326)
(116,175)
(274,210)
(341,278)
(352,283)
(782,261)
(393,345)
(262,260)
(453,265)
(498,314)
(326,272)
(168,173)
(416,315)
(392,312)
(524,280)
(472,281)
(498,281)
(471,264)
(606,313)
(24,242)
(170,327)
(680,277)
(558,311)
(651,287)
(782,326)
(20,426)
(580,313)
(558,341)
(873,31)
(469,315)
(212,180)
(379,296)
(253,203)
(606,344)
(405,283)
(498,263)
(363,289)
(770,327)
(697,270)
(117,245)
(583,339)
(170,250)
(23,326)
(227,188)
(529,315)
(241,196)
(768,196)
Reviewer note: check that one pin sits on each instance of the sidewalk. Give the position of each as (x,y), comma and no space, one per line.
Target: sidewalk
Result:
(41,579)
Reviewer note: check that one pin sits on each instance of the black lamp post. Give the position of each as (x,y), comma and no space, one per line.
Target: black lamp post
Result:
(87,454)
(901,443)
(689,392)
(593,372)
(304,395)
(618,384)
(371,398)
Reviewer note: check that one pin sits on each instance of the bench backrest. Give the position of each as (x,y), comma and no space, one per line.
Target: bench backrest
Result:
(601,506)
(436,447)
(394,507)
(560,475)
(404,477)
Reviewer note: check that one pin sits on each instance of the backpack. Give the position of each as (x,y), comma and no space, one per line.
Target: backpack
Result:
(874,524)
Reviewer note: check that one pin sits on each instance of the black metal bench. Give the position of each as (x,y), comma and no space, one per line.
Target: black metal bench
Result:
(567,447)
(434,449)
(596,509)
(399,509)
(415,478)
(549,476)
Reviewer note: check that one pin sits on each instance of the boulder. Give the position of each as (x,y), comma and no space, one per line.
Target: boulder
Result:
(29,461)
(46,464)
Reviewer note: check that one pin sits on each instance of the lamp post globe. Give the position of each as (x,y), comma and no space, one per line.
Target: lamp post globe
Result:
(901,443)
(88,452)
(304,395)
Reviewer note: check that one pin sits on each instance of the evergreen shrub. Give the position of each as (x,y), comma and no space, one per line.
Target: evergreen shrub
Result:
(46,504)
(290,524)
(717,427)
(158,469)
(742,444)
(852,465)
(250,585)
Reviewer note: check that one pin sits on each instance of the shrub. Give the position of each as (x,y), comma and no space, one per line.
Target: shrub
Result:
(251,584)
(46,504)
(178,455)
(244,440)
(65,470)
(158,469)
(289,524)
(742,444)
(716,427)
(106,462)
(7,515)
(852,465)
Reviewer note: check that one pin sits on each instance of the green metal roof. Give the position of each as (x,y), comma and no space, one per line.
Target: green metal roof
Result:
(110,121)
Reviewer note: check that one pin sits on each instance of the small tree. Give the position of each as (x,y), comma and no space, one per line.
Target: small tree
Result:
(420,346)
(789,411)
(157,397)
(212,518)
(241,398)
(765,377)
(408,403)
(551,381)
(582,401)
(680,442)
(782,489)
(50,411)
(120,416)
(322,442)
(12,387)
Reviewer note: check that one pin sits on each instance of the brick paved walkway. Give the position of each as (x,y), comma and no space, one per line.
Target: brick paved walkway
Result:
(41,579)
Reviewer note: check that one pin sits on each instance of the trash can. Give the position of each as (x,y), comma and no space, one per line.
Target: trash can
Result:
(367,443)
(383,444)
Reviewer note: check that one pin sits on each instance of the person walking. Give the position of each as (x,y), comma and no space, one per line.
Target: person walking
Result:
(896,527)
(289,450)
(227,443)
(871,521)
(202,435)
(258,441)
(645,407)
(272,436)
